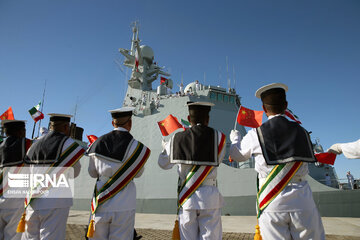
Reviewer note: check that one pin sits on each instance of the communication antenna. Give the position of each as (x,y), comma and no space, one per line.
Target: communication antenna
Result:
(220,77)
(227,73)
(77,100)
(135,37)
(204,78)
(234,79)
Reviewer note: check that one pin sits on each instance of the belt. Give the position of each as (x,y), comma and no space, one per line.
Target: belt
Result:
(209,182)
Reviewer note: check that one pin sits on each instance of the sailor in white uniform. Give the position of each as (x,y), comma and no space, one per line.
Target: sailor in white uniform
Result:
(293,213)
(199,145)
(46,217)
(115,218)
(350,150)
(12,154)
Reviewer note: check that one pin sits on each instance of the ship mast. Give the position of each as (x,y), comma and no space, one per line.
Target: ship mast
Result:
(135,37)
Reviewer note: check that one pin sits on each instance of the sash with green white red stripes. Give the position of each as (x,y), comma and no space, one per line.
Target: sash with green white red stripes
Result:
(67,159)
(122,177)
(274,183)
(196,176)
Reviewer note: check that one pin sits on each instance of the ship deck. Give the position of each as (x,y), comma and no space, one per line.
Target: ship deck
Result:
(159,226)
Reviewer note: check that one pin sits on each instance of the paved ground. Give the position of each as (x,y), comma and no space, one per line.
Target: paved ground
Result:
(75,232)
(159,226)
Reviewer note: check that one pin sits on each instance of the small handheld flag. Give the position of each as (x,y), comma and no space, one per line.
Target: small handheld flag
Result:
(7,115)
(169,125)
(185,123)
(327,158)
(35,113)
(249,118)
(92,139)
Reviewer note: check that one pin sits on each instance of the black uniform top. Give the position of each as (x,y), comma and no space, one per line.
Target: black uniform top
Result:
(12,151)
(284,141)
(47,149)
(113,145)
(197,145)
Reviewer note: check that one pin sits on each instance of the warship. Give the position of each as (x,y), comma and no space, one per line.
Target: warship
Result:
(156,188)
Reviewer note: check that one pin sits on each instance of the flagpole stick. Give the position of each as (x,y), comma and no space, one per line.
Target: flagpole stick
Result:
(32,136)
(236,118)
(42,107)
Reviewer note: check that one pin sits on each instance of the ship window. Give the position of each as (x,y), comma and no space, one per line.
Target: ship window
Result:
(226,98)
(232,99)
(213,95)
(219,97)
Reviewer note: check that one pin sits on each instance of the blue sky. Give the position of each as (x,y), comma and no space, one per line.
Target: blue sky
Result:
(312,46)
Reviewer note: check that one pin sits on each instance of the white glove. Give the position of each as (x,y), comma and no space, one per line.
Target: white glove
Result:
(335,148)
(235,136)
(163,143)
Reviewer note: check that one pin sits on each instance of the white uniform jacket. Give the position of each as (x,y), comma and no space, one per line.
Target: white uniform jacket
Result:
(295,197)
(206,196)
(46,203)
(103,169)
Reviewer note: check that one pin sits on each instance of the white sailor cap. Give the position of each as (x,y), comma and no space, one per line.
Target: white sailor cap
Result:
(270,86)
(59,117)
(122,112)
(198,106)
(12,123)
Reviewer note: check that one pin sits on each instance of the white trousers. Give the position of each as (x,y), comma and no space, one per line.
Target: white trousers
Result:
(291,225)
(46,224)
(114,225)
(200,224)
(9,219)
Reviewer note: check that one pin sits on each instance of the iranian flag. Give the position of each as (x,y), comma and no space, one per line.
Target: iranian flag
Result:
(35,113)
(185,123)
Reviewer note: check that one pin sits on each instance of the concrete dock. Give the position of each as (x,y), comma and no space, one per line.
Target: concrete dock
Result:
(159,226)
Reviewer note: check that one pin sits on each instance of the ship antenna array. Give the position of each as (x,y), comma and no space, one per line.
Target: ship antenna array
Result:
(135,37)
(227,72)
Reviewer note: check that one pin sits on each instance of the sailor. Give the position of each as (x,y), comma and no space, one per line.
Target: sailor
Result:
(350,150)
(327,180)
(197,86)
(46,217)
(115,159)
(12,154)
(197,152)
(350,178)
(281,148)
(181,89)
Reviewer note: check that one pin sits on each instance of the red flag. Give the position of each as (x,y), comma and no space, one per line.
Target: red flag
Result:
(249,118)
(327,158)
(8,114)
(92,138)
(169,125)
(137,61)
(163,80)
